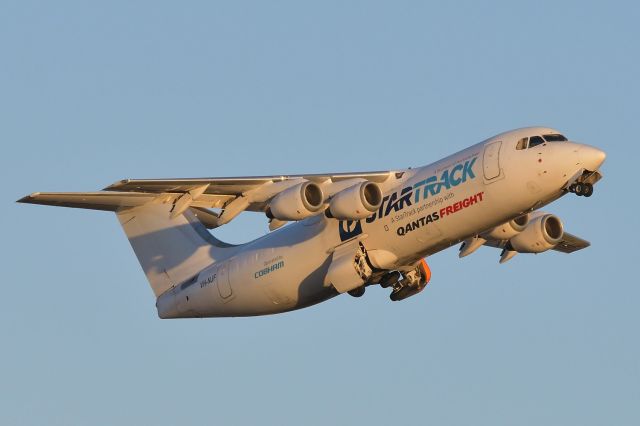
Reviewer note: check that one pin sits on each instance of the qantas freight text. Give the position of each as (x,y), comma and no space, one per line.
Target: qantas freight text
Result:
(437,215)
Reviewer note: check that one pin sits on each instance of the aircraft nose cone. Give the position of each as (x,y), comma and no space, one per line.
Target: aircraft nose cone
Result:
(592,158)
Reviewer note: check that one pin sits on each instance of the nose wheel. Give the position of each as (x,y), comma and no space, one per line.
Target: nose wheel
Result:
(581,189)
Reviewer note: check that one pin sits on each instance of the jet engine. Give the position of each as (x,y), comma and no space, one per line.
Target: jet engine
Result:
(542,233)
(508,230)
(356,202)
(296,203)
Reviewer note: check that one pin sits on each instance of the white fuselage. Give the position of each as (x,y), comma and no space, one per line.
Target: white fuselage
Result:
(425,210)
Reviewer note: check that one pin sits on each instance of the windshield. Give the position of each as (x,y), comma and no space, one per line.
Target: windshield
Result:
(532,141)
(535,141)
(554,138)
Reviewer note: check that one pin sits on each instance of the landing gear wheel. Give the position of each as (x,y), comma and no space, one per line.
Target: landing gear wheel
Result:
(587,190)
(579,189)
(390,279)
(357,292)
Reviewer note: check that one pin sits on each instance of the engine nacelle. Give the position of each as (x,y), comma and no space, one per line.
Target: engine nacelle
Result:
(296,203)
(541,234)
(508,230)
(356,202)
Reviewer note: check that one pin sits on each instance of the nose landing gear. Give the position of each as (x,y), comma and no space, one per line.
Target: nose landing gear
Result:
(581,189)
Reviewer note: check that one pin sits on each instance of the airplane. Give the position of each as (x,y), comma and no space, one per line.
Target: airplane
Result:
(343,231)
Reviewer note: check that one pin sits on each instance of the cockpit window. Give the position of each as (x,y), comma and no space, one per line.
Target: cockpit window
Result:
(554,138)
(535,141)
(532,141)
(522,143)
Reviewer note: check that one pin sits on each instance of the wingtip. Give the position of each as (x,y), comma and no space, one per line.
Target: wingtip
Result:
(117,184)
(28,198)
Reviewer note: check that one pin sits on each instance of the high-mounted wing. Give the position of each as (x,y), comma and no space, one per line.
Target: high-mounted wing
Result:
(231,195)
(237,194)
(568,244)
(235,185)
(531,233)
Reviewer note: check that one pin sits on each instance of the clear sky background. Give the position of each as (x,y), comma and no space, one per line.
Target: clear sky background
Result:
(93,92)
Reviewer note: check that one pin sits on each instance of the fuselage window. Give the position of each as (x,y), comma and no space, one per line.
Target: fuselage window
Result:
(535,141)
(555,138)
(522,143)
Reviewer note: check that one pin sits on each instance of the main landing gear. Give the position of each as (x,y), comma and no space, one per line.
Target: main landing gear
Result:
(581,189)
(403,285)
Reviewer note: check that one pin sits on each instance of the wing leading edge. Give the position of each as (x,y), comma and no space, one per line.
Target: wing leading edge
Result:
(234,185)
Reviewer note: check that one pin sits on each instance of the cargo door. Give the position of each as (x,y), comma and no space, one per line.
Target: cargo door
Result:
(491,161)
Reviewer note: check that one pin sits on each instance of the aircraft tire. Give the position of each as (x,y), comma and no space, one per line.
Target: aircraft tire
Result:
(357,292)
(390,279)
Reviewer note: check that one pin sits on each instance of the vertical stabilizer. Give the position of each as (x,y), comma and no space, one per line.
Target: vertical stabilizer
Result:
(170,250)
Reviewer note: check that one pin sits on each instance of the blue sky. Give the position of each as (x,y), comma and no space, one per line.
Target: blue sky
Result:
(93,92)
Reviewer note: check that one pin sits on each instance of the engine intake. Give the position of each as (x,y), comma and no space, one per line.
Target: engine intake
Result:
(296,203)
(356,202)
(508,230)
(541,234)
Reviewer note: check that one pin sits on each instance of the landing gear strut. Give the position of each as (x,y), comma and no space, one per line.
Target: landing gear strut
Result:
(581,189)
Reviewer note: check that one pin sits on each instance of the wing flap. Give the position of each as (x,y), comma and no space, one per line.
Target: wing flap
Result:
(222,186)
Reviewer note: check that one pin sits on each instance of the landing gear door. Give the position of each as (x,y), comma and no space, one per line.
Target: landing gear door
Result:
(348,269)
(491,162)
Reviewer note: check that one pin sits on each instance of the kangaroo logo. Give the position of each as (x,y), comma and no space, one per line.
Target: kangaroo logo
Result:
(349,229)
